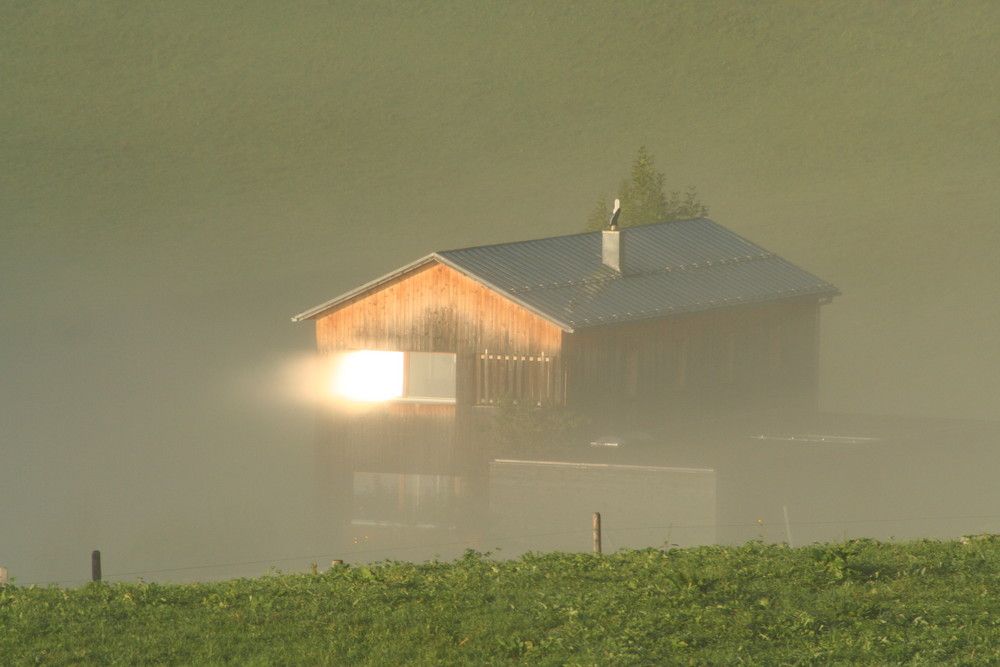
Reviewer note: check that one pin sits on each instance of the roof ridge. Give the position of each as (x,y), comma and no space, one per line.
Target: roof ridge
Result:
(646,227)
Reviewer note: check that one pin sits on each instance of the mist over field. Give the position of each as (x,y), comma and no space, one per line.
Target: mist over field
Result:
(178,179)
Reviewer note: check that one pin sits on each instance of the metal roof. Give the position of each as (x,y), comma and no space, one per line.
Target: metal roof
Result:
(670,268)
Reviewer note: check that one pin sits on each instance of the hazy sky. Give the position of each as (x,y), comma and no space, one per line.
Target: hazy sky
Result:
(178,179)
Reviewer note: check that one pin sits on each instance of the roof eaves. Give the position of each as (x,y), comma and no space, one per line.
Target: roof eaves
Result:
(562,324)
(321,309)
(316,311)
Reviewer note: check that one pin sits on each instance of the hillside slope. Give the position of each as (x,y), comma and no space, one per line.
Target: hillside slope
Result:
(188,143)
(177,179)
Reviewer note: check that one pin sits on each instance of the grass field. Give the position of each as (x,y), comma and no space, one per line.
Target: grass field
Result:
(858,602)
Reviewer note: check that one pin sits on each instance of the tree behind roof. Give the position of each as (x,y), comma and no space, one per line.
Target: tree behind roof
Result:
(645,201)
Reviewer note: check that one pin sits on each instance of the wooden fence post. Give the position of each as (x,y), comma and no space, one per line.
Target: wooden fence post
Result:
(3,576)
(597,532)
(788,527)
(95,565)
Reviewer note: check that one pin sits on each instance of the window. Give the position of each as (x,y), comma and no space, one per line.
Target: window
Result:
(409,500)
(370,375)
(429,376)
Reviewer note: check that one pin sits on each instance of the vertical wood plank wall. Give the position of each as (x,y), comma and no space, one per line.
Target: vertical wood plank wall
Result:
(630,375)
(430,309)
(647,373)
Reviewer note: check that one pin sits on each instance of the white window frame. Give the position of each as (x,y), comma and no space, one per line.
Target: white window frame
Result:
(411,391)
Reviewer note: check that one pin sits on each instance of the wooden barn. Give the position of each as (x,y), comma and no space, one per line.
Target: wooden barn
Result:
(632,328)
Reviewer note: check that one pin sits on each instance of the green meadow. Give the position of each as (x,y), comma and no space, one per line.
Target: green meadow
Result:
(860,602)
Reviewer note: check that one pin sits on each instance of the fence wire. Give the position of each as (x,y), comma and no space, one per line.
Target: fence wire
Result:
(609,533)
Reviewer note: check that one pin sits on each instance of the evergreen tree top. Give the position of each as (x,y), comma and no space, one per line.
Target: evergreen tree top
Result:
(644,199)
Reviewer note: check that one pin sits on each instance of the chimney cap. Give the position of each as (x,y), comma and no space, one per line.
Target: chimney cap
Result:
(613,223)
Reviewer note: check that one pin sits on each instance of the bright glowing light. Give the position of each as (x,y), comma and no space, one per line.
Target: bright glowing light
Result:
(367,375)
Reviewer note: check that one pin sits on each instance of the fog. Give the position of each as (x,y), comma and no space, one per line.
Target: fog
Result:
(177,181)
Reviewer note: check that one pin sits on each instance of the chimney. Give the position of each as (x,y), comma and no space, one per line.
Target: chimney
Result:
(613,242)
(613,249)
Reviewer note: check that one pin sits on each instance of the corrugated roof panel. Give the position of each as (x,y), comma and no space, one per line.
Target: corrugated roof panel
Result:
(670,268)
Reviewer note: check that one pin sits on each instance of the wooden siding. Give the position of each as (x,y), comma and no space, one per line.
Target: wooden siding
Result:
(436,309)
(646,374)
(431,309)
(630,376)
(396,437)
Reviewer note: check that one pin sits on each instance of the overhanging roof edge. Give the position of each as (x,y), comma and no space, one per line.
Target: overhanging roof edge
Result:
(316,311)
(565,326)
